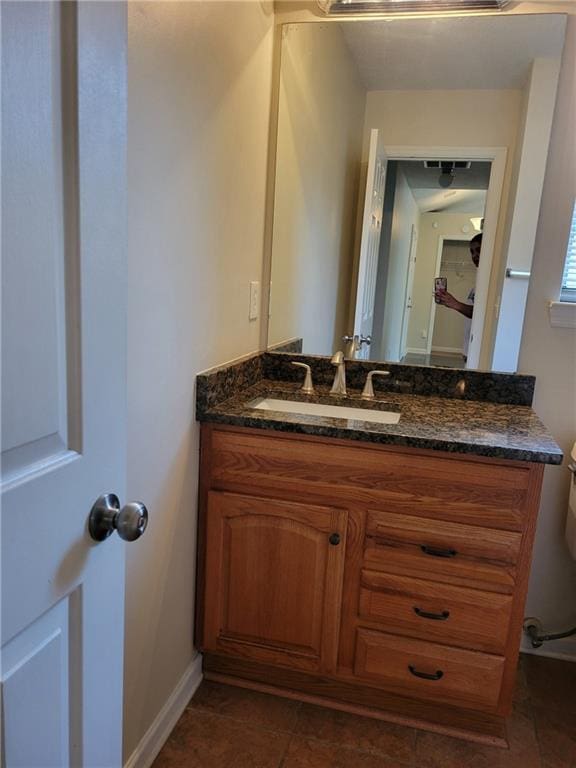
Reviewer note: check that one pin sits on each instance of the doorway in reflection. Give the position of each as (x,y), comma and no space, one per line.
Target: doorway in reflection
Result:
(432,210)
(452,321)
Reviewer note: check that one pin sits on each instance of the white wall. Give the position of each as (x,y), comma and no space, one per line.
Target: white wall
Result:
(550,354)
(199,84)
(404,216)
(320,125)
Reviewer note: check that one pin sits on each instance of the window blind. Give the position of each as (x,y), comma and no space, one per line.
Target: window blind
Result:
(568,292)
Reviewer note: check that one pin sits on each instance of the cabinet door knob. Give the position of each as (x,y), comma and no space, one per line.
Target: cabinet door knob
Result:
(334,539)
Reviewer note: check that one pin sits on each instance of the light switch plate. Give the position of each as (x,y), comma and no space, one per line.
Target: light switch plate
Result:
(254,300)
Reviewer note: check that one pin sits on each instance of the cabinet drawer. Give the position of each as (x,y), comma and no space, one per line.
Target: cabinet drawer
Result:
(439,612)
(429,671)
(484,493)
(466,555)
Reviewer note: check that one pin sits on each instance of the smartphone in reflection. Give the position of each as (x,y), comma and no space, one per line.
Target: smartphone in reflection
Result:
(440,284)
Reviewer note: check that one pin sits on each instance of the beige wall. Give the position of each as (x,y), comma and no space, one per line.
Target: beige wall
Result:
(470,118)
(199,83)
(320,124)
(550,354)
(449,226)
(450,326)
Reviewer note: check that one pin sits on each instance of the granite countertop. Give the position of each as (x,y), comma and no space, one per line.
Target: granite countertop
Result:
(448,424)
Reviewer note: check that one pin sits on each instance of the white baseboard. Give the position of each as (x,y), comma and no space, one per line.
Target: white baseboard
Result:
(155,737)
(416,351)
(554,649)
(448,350)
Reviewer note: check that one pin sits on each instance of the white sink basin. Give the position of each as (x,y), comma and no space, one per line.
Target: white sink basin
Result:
(320,409)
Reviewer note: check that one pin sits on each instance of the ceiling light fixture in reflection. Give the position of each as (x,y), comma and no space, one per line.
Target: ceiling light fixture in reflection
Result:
(389,7)
(446,178)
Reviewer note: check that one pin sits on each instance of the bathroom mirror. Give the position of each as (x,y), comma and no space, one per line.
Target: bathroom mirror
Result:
(399,142)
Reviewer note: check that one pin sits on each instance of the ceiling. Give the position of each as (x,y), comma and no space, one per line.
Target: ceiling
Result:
(471,201)
(480,52)
(467,194)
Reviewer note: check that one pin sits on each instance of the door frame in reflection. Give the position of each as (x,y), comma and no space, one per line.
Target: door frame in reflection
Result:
(497,157)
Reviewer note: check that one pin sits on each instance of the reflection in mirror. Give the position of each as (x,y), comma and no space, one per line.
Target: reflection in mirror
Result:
(437,211)
(397,144)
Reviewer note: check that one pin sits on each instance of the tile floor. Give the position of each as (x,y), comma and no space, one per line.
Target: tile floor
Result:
(226,727)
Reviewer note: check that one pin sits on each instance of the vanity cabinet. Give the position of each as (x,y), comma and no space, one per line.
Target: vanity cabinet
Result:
(381,579)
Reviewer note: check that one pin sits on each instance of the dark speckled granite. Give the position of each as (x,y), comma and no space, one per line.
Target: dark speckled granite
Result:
(294,346)
(506,388)
(220,383)
(473,422)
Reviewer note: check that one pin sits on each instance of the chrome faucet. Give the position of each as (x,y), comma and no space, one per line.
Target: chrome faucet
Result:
(339,385)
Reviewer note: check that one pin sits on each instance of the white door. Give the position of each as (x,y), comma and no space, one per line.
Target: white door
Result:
(408,302)
(63,380)
(370,241)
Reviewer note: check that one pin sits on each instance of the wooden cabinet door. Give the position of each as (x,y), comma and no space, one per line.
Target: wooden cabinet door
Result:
(274,572)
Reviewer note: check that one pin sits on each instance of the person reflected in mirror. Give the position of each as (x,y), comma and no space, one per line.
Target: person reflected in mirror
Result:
(465,308)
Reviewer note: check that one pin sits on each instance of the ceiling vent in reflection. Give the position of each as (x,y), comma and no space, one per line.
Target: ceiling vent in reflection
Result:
(388,7)
(457,164)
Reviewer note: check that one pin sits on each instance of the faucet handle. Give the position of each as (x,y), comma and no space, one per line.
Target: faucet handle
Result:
(307,387)
(352,346)
(337,358)
(339,385)
(368,391)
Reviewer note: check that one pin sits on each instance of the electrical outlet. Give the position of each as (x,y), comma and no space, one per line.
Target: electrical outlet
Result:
(424,333)
(254,300)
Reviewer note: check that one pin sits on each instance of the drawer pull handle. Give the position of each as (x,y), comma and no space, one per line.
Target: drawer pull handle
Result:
(434,616)
(426,675)
(438,552)
(334,539)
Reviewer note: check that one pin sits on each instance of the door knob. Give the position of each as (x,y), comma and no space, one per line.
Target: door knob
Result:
(107,517)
